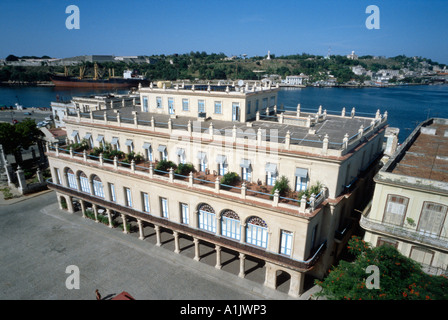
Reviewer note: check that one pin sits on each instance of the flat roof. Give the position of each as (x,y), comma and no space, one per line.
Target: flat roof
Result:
(336,127)
(427,155)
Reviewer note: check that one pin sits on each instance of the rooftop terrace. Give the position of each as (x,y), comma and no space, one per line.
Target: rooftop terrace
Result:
(338,132)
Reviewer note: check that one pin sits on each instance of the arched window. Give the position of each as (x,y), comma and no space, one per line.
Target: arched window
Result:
(71,179)
(257,232)
(98,189)
(207,220)
(84,182)
(230,225)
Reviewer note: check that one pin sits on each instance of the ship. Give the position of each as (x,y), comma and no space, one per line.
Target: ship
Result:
(130,79)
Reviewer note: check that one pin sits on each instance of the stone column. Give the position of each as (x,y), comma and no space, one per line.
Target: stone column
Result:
(196,249)
(69,200)
(109,216)
(176,242)
(140,229)
(83,208)
(125,227)
(242,257)
(218,257)
(270,276)
(296,286)
(95,211)
(157,228)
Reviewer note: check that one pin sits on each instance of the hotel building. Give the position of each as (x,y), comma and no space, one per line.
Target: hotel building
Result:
(410,202)
(328,159)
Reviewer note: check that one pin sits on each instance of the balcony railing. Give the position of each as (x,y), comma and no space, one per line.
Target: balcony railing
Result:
(404,232)
(276,258)
(261,194)
(291,141)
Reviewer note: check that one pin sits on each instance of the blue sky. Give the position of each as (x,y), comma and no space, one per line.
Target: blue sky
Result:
(252,27)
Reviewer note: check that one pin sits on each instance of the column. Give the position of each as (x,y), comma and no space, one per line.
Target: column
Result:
(296,286)
(218,257)
(125,227)
(140,229)
(109,216)
(242,263)
(83,208)
(270,276)
(69,201)
(196,249)
(95,211)
(157,228)
(176,242)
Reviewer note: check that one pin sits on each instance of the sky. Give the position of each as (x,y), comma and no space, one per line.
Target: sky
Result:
(252,27)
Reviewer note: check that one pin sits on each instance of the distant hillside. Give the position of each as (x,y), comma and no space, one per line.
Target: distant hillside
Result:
(203,66)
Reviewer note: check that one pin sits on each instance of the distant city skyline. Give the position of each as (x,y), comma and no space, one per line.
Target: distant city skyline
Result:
(285,27)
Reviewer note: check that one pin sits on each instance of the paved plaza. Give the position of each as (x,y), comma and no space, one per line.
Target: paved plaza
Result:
(39,241)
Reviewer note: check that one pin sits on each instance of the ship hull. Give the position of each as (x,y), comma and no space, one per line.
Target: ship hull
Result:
(62,81)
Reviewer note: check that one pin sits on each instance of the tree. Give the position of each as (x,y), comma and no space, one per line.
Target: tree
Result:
(399,277)
(12,57)
(20,136)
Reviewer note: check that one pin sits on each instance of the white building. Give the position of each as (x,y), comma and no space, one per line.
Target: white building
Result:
(329,161)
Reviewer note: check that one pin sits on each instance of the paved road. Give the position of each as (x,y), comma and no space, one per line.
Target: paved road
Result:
(38,241)
(19,115)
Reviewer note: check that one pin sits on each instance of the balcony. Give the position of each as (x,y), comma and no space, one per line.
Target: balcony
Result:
(256,193)
(200,234)
(403,232)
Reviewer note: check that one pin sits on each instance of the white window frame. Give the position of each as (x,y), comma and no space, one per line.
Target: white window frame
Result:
(184,209)
(128,196)
(98,189)
(286,242)
(185,105)
(112,192)
(394,210)
(246,173)
(218,107)
(170,105)
(257,235)
(159,103)
(201,106)
(207,221)
(231,228)
(145,202)
(145,104)
(71,179)
(431,221)
(271,178)
(85,185)
(58,176)
(164,207)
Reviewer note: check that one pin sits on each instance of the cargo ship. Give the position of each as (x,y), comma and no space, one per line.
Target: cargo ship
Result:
(129,79)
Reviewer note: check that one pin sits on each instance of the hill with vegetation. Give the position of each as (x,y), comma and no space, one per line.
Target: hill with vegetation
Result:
(204,66)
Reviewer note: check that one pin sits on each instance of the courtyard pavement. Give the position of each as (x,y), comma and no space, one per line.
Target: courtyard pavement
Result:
(39,241)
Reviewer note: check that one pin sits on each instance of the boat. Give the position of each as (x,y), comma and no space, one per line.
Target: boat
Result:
(129,79)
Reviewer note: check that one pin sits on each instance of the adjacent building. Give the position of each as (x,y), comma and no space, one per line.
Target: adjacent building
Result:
(61,109)
(410,202)
(329,161)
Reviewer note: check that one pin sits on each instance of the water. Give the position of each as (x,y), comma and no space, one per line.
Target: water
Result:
(407,106)
(41,97)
